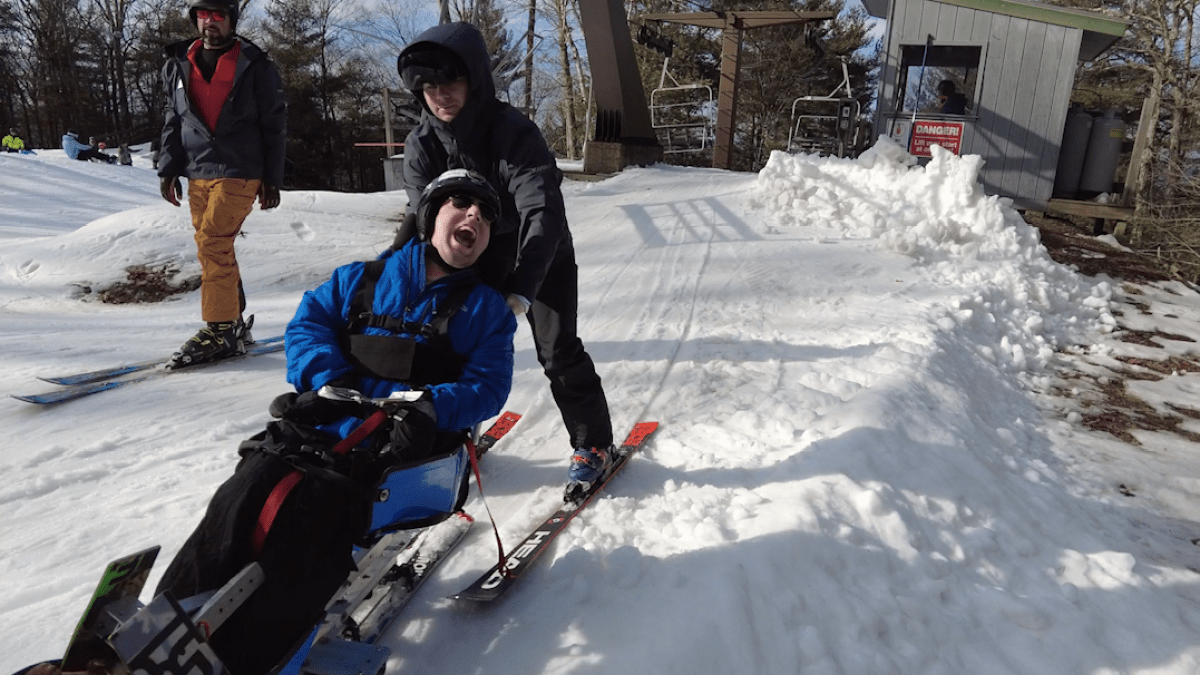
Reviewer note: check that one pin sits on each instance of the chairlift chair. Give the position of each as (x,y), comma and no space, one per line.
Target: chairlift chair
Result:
(682,114)
(826,124)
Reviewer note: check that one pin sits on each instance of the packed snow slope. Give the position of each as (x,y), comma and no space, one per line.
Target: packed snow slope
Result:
(858,468)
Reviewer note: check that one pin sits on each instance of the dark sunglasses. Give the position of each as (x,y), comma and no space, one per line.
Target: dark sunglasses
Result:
(461,201)
(212,14)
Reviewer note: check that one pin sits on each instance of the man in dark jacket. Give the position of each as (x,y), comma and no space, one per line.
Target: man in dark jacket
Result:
(532,258)
(226,121)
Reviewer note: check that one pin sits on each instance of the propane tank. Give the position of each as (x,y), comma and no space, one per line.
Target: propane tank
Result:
(1103,154)
(1076,133)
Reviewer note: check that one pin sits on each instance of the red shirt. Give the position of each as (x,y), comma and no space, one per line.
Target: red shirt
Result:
(209,97)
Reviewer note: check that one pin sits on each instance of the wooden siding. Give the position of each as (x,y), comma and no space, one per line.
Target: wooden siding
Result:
(1020,103)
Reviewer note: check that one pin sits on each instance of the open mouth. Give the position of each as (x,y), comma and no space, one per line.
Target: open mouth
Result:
(465,237)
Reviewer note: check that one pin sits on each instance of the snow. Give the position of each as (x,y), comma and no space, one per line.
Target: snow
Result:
(871,458)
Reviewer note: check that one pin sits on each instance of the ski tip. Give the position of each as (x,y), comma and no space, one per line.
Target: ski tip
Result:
(475,596)
(639,432)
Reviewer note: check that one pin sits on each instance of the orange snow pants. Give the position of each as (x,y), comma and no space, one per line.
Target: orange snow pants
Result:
(219,207)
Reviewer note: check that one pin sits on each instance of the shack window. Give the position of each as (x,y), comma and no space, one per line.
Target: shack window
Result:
(938,79)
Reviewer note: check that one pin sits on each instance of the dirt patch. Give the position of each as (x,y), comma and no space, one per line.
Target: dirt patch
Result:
(1108,405)
(1071,244)
(147,283)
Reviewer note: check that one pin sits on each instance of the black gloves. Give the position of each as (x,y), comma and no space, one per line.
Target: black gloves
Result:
(268,196)
(172,189)
(414,430)
(309,408)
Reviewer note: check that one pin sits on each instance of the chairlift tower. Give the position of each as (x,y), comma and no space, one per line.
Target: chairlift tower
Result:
(732,24)
(622,134)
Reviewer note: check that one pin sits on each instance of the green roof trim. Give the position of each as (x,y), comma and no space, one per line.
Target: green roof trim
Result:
(1059,16)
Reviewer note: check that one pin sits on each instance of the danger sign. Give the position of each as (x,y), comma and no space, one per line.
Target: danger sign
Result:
(930,132)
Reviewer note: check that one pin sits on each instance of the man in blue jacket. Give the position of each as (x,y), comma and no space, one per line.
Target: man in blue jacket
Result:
(418,319)
(225,129)
(416,280)
(420,310)
(532,257)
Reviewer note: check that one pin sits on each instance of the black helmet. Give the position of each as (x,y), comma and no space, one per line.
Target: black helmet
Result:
(454,182)
(230,7)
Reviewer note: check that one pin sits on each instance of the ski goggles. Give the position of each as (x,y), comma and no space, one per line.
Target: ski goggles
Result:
(212,14)
(432,66)
(464,202)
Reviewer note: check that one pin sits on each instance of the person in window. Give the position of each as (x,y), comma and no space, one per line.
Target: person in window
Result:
(952,102)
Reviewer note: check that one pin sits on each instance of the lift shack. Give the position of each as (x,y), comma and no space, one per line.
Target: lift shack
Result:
(1010,65)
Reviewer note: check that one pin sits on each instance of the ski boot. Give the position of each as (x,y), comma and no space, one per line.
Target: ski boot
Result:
(217,340)
(589,466)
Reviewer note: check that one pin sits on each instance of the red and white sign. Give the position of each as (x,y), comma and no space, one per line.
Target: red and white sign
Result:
(935,132)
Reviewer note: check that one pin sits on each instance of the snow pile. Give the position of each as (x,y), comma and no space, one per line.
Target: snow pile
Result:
(1021,307)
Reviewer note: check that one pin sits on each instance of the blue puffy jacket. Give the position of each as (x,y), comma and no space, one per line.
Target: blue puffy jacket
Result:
(72,146)
(482,331)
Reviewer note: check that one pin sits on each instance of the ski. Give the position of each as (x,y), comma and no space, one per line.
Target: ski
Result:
(501,426)
(85,384)
(496,581)
(121,582)
(118,371)
(389,575)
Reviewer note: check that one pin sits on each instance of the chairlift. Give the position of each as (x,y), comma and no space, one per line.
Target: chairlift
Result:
(826,125)
(680,114)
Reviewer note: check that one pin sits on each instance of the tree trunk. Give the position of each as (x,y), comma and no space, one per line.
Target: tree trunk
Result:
(1140,166)
(564,56)
(529,58)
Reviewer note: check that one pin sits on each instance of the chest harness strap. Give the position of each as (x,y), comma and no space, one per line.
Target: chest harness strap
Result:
(392,357)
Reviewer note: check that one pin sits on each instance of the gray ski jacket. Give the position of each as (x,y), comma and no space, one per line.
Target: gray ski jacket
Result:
(251,131)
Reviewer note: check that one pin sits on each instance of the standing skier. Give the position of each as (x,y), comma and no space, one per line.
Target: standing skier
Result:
(532,258)
(225,127)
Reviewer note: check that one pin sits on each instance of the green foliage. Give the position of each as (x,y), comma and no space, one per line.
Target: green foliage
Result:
(332,100)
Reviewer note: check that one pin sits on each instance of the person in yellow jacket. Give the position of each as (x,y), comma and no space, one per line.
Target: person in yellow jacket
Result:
(12,142)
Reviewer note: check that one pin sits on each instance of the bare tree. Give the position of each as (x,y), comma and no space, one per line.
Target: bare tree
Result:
(114,14)
(52,69)
(559,13)
(530,31)
(1160,39)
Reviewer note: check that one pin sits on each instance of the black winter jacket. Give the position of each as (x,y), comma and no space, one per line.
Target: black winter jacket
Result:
(251,130)
(496,140)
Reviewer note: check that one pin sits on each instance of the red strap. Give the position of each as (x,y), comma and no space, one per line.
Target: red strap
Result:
(474,455)
(279,494)
(271,509)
